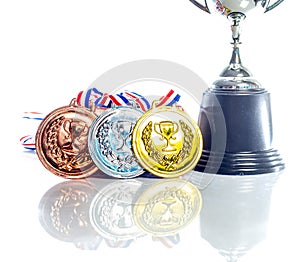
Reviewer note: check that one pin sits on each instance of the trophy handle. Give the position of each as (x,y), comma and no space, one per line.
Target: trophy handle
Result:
(272,6)
(157,130)
(202,7)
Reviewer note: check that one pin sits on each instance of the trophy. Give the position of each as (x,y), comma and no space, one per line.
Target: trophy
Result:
(167,129)
(237,107)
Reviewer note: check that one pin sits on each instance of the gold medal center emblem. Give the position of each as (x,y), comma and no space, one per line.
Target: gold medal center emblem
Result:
(167,142)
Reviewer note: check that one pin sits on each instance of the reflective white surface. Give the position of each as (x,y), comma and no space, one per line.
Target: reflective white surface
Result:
(51,51)
(250,217)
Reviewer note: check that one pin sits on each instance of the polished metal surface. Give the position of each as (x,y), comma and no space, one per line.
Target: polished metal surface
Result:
(235,76)
(167,141)
(237,107)
(110,144)
(61,142)
(225,7)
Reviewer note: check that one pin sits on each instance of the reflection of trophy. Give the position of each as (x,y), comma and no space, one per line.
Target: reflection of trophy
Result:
(167,129)
(243,106)
(236,212)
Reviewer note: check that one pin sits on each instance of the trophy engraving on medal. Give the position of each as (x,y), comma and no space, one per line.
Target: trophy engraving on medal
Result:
(123,130)
(110,142)
(167,129)
(244,104)
(167,148)
(61,142)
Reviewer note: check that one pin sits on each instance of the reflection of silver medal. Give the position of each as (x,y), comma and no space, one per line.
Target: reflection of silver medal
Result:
(111,210)
(110,142)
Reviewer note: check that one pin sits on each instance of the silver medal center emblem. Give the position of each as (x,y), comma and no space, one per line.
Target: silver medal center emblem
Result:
(110,142)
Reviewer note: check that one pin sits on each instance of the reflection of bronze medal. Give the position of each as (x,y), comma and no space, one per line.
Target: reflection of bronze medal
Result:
(167,141)
(61,142)
(64,213)
(167,207)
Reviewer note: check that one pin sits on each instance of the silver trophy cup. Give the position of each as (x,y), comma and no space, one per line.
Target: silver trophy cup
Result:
(243,106)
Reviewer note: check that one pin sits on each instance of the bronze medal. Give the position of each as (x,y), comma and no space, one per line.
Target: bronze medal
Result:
(61,142)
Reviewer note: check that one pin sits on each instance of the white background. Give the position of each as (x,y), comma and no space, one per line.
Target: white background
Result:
(50,50)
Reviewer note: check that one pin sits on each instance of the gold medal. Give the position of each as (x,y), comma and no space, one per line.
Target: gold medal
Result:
(167,207)
(167,141)
(61,142)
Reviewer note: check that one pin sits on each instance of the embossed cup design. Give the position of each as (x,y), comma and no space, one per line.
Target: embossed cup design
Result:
(123,130)
(167,130)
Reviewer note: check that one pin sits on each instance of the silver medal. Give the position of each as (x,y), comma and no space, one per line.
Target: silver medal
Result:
(110,144)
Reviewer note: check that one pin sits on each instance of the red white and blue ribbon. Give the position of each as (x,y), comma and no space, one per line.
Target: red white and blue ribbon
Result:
(28,142)
(33,116)
(103,101)
(169,99)
(118,243)
(168,241)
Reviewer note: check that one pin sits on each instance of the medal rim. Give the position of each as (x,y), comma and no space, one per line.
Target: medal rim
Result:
(137,148)
(92,145)
(39,136)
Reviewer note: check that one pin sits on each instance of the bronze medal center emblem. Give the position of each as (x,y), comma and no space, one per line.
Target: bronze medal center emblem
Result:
(167,141)
(62,142)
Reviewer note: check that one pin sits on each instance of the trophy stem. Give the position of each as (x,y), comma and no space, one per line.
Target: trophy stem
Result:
(236,18)
(235,68)
(236,76)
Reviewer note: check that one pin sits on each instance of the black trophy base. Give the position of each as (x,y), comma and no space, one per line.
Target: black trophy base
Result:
(250,163)
(237,133)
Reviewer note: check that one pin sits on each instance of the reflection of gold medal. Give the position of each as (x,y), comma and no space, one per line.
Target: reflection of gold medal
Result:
(61,142)
(167,207)
(167,142)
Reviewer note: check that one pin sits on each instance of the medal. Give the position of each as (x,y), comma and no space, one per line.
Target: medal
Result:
(167,141)
(61,142)
(110,142)
(166,207)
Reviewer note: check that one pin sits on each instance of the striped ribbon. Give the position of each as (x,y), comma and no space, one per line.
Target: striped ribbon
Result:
(169,99)
(28,142)
(168,241)
(118,243)
(103,101)
(33,115)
